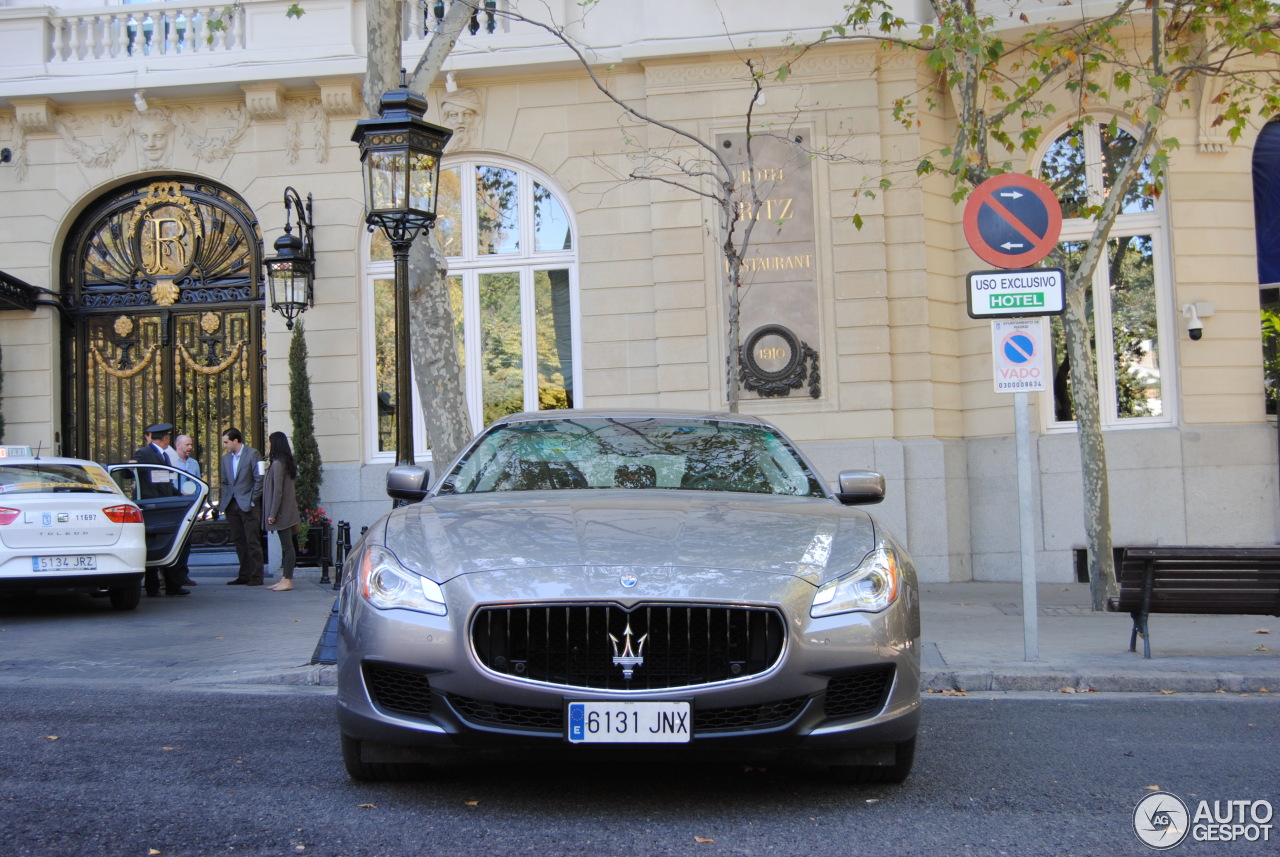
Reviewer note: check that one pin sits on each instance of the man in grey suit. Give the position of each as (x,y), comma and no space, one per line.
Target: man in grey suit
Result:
(241,503)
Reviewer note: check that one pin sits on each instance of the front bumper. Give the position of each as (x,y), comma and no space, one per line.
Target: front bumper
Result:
(844,691)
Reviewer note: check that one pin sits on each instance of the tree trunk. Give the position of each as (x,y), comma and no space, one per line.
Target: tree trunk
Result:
(1093,453)
(438,372)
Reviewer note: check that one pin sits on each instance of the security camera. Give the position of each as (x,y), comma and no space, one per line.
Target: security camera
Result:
(1195,327)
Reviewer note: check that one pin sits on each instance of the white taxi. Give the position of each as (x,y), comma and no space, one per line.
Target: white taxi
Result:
(66,525)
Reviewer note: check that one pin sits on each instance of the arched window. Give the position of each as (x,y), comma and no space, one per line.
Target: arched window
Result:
(1128,297)
(513,285)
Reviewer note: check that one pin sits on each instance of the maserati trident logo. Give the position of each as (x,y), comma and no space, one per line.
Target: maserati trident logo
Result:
(629,580)
(628,658)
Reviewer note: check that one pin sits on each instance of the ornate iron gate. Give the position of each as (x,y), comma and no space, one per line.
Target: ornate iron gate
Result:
(163,294)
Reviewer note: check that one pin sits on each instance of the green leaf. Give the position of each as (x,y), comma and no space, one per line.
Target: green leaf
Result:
(295,11)
(857,222)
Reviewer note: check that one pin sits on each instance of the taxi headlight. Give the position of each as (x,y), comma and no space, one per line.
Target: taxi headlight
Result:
(386,584)
(869,588)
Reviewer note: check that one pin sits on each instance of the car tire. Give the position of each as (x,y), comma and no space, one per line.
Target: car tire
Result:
(904,758)
(125,597)
(375,772)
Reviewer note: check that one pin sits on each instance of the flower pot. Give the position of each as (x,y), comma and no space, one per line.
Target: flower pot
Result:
(315,550)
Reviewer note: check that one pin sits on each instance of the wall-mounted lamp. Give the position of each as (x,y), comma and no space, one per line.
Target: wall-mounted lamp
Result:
(1193,312)
(140,101)
(290,271)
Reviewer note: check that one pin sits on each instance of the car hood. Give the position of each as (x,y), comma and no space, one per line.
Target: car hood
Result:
(811,538)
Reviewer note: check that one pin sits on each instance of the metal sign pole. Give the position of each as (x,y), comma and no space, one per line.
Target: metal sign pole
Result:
(1012,220)
(1026,525)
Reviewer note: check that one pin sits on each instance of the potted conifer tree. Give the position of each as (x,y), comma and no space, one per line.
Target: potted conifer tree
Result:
(314,534)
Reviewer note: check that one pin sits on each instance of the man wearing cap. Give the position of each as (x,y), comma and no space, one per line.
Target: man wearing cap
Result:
(155,451)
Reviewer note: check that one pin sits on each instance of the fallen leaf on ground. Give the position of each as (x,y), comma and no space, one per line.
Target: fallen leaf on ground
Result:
(473,803)
(366,806)
(1152,788)
(1263,690)
(1262,649)
(701,839)
(1066,690)
(151,852)
(1262,631)
(170,749)
(1168,692)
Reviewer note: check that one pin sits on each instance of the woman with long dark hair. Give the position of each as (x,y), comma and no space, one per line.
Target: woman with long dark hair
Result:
(280,504)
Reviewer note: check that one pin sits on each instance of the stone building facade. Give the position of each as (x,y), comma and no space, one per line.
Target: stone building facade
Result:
(613,289)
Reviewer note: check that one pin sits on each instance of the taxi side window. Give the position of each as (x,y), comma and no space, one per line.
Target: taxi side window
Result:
(128,482)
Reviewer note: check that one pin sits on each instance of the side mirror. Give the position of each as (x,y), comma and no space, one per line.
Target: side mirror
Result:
(408,482)
(860,487)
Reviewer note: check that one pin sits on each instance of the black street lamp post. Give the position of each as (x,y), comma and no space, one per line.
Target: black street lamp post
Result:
(400,154)
(291,272)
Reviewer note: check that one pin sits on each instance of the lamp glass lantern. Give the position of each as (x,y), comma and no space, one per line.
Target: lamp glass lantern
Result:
(289,279)
(291,272)
(400,153)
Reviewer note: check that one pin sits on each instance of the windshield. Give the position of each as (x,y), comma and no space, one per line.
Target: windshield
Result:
(42,478)
(689,454)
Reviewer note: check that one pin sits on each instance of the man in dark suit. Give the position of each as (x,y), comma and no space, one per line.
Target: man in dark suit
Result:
(155,451)
(241,502)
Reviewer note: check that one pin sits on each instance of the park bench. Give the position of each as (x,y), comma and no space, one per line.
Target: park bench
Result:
(1174,579)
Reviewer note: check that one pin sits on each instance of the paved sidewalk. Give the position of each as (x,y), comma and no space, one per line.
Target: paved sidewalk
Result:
(218,634)
(972,641)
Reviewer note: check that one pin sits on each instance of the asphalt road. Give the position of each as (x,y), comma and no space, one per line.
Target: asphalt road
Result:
(162,770)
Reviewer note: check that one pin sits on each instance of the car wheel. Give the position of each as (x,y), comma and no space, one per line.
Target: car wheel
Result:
(373,772)
(125,597)
(904,758)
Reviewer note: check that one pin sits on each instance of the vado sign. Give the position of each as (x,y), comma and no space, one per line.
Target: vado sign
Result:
(1033,291)
(1020,348)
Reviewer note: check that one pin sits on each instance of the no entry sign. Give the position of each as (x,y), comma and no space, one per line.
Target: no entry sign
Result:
(1012,220)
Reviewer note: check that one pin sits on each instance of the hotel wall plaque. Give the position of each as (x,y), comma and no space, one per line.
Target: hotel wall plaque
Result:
(779,297)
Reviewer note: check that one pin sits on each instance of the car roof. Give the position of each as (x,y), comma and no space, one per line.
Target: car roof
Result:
(47,459)
(630,413)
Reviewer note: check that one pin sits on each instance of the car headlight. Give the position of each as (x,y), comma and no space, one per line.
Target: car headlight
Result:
(869,588)
(386,584)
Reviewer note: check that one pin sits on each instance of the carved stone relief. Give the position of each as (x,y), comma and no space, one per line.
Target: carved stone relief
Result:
(207,133)
(462,111)
(300,112)
(12,132)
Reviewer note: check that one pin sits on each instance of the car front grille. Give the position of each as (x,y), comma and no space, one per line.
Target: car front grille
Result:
(706,722)
(858,693)
(397,689)
(604,647)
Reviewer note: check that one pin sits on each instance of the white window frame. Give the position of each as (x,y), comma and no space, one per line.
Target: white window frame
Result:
(1152,223)
(469,267)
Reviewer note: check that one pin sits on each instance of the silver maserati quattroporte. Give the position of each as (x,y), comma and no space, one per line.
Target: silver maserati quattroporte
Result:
(660,584)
